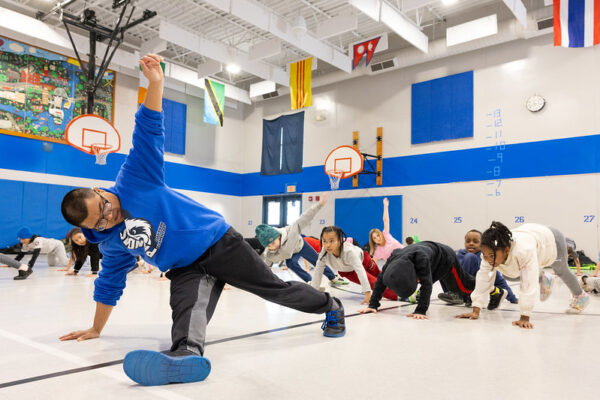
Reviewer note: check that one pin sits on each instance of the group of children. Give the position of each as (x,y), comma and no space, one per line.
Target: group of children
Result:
(124,225)
(473,275)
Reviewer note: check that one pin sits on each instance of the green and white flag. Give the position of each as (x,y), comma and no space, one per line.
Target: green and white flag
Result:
(214,102)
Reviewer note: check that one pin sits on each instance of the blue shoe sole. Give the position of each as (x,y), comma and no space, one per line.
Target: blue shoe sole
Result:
(334,335)
(151,368)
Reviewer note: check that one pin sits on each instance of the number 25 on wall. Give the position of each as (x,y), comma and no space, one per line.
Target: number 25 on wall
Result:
(458,220)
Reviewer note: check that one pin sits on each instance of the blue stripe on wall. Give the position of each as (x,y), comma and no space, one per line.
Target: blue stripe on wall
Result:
(38,204)
(568,156)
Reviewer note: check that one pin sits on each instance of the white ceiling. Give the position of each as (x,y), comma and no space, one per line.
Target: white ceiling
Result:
(239,35)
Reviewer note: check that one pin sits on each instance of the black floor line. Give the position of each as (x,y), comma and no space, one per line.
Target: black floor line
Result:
(116,362)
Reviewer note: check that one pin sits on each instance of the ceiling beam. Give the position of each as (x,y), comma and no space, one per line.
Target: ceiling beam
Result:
(381,11)
(267,20)
(222,53)
(518,9)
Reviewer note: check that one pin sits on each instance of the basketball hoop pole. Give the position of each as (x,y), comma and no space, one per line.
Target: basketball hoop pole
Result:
(87,21)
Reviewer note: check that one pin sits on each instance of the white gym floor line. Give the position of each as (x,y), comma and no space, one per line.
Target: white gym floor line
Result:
(260,350)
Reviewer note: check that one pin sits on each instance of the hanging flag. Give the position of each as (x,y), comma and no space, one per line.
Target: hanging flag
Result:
(576,23)
(300,83)
(214,102)
(368,48)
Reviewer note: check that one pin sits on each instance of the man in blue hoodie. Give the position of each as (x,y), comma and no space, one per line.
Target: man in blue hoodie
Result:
(141,216)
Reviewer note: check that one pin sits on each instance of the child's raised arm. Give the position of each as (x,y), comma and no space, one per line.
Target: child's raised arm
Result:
(386,215)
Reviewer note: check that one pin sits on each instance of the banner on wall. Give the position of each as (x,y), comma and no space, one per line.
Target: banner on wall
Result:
(576,23)
(214,102)
(41,92)
(300,84)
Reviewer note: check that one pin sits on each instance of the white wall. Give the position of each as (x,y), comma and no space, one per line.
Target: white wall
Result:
(504,77)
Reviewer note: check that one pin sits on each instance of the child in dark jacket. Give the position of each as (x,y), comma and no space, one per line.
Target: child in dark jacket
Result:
(425,263)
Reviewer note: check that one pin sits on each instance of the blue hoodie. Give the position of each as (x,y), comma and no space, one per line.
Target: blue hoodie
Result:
(166,228)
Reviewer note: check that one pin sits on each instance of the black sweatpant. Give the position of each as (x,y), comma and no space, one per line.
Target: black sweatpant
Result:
(195,289)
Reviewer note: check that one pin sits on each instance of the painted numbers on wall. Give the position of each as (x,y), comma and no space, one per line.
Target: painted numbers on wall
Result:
(519,219)
(414,220)
(588,218)
(458,220)
(497,142)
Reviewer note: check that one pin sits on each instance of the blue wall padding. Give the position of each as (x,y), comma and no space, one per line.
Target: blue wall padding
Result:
(36,205)
(442,108)
(358,215)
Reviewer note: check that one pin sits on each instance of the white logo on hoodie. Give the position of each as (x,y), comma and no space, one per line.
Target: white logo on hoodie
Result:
(139,233)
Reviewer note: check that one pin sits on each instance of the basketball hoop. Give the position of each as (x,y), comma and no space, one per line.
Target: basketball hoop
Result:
(334,178)
(100,150)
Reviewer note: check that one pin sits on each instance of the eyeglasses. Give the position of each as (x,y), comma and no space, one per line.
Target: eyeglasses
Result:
(106,210)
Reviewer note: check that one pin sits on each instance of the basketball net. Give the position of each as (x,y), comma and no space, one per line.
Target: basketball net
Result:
(334,178)
(101,150)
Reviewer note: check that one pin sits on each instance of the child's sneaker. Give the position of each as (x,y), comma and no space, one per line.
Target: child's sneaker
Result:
(334,325)
(546,281)
(338,281)
(23,274)
(578,303)
(151,368)
(451,298)
(497,298)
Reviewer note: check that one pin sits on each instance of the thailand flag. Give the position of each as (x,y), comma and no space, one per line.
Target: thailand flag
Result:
(576,23)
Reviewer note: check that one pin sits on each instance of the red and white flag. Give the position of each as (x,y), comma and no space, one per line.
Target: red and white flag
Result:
(576,23)
(368,48)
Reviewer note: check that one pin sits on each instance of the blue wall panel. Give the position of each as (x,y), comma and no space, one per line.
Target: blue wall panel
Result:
(36,205)
(358,215)
(442,109)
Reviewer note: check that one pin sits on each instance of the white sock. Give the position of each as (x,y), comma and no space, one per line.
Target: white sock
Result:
(24,267)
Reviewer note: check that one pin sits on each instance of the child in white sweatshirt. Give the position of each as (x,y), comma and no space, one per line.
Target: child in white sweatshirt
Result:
(524,252)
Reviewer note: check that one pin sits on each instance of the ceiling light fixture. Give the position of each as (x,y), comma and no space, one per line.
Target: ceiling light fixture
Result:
(233,68)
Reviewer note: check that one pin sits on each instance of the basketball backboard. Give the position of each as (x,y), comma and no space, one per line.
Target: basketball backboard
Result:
(88,130)
(344,159)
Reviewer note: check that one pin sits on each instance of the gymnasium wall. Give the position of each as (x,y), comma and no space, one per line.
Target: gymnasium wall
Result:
(33,181)
(548,169)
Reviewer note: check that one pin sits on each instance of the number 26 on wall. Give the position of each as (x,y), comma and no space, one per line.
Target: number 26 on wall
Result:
(519,219)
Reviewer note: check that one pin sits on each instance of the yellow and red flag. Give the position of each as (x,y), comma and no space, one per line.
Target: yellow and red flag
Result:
(300,83)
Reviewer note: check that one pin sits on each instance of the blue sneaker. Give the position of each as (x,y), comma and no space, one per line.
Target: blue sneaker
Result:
(152,368)
(334,325)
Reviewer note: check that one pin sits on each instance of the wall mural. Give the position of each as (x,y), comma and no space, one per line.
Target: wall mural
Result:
(41,92)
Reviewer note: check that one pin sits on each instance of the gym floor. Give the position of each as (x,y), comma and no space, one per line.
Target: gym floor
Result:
(260,350)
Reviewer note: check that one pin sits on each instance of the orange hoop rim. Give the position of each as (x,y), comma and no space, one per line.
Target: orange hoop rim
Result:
(100,148)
